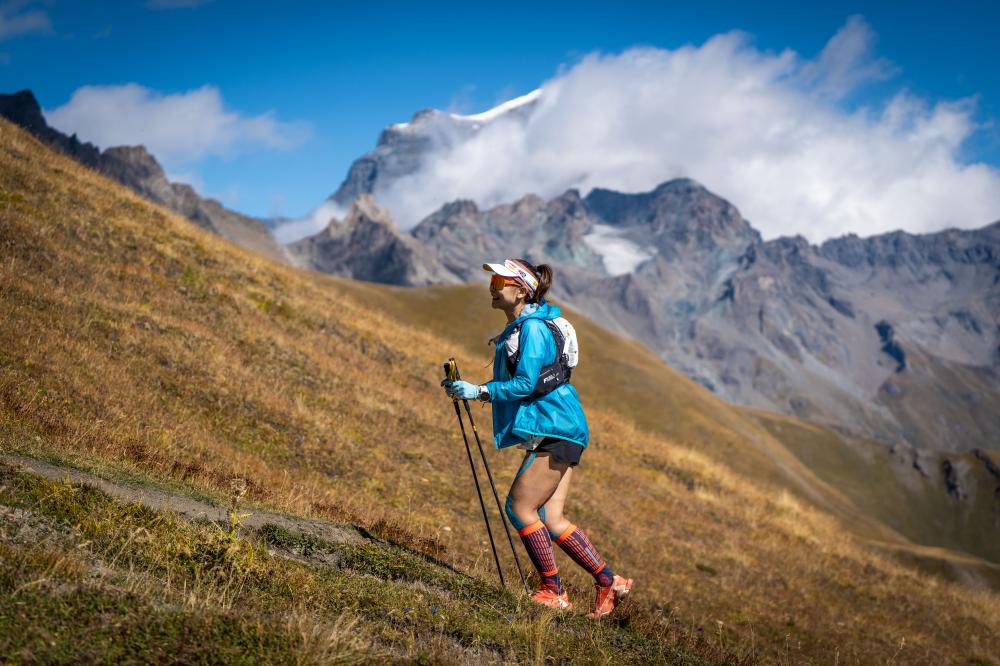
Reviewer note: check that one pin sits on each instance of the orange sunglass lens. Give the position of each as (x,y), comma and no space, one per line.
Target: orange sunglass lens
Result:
(497,282)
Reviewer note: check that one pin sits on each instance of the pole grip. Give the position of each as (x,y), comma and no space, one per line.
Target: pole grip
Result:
(451,370)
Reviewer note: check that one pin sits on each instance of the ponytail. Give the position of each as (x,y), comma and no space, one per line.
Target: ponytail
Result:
(544,274)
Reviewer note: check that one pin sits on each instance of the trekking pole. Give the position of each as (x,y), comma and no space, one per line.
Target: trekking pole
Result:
(450,371)
(493,485)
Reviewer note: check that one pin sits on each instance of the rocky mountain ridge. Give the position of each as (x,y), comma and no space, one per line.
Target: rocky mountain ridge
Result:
(137,169)
(366,245)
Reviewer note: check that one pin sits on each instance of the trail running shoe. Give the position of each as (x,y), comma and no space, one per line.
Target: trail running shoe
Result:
(548,597)
(608,598)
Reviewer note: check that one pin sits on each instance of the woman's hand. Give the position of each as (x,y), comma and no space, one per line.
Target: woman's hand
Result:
(460,389)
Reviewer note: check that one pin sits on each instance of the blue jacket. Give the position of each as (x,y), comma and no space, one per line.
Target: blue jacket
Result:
(556,414)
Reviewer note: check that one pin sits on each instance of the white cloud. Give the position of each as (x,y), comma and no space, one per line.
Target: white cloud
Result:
(847,62)
(14,22)
(313,222)
(767,131)
(179,129)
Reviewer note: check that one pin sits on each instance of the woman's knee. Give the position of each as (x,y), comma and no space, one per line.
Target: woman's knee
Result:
(511,514)
(521,515)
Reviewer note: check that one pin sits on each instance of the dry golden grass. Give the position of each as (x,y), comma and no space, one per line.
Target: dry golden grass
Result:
(138,346)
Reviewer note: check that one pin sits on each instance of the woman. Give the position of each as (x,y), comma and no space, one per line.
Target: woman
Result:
(551,427)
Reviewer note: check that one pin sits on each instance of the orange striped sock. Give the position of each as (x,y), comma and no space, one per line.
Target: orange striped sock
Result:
(576,544)
(539,546)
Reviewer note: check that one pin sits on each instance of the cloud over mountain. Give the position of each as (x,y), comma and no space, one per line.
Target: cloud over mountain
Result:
(779,135)
(178,128)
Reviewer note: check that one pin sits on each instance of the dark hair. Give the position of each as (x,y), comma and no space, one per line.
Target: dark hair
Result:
(544,274)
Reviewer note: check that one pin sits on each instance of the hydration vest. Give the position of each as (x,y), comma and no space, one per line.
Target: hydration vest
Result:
(559,371)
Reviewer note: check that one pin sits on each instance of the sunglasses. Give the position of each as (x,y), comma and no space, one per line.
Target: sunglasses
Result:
(498,282)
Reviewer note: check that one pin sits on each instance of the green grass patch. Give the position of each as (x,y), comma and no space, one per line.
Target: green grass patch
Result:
(91,625)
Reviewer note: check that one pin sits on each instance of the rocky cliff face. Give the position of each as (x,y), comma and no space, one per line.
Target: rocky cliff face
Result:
(531,228)
(21,108)
(893,336)
(366,245)
(135,168)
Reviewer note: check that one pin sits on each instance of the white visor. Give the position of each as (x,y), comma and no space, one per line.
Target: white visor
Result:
(514,269)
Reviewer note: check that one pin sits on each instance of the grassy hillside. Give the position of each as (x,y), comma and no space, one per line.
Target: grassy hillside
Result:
(137,347)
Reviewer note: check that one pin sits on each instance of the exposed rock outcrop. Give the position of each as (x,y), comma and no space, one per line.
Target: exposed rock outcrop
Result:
(366,245)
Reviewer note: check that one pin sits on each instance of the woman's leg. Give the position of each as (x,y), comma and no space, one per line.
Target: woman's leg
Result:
(542,481)
(536,481)
(571,538)
(553,516)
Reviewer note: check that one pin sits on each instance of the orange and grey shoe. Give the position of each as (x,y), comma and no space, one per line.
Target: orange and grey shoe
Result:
(608,598)
(549,597)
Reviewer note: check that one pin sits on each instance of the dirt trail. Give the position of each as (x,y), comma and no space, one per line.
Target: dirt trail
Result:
(190,508)
(187,507)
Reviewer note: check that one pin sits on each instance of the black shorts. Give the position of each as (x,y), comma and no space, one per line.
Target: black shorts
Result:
(561,449)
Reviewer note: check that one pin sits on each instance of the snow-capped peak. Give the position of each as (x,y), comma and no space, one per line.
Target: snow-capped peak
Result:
(477,118)
(501,109)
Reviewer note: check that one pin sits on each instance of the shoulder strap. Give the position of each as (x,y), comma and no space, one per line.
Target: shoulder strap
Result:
(512,360)
(557,337)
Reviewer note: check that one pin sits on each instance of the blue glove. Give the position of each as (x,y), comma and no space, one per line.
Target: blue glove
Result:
(460,389)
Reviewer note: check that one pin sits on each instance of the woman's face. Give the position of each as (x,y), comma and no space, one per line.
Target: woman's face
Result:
(508,297)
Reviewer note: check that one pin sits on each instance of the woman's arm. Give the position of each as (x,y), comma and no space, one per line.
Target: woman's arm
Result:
(533,345)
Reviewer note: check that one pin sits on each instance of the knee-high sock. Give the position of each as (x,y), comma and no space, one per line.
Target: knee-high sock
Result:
(576,544)
(539,546)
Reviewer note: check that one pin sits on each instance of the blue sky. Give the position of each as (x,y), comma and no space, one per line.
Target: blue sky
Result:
(316,83)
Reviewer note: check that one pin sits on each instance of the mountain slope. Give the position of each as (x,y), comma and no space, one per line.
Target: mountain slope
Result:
(159,354)
(135,168)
